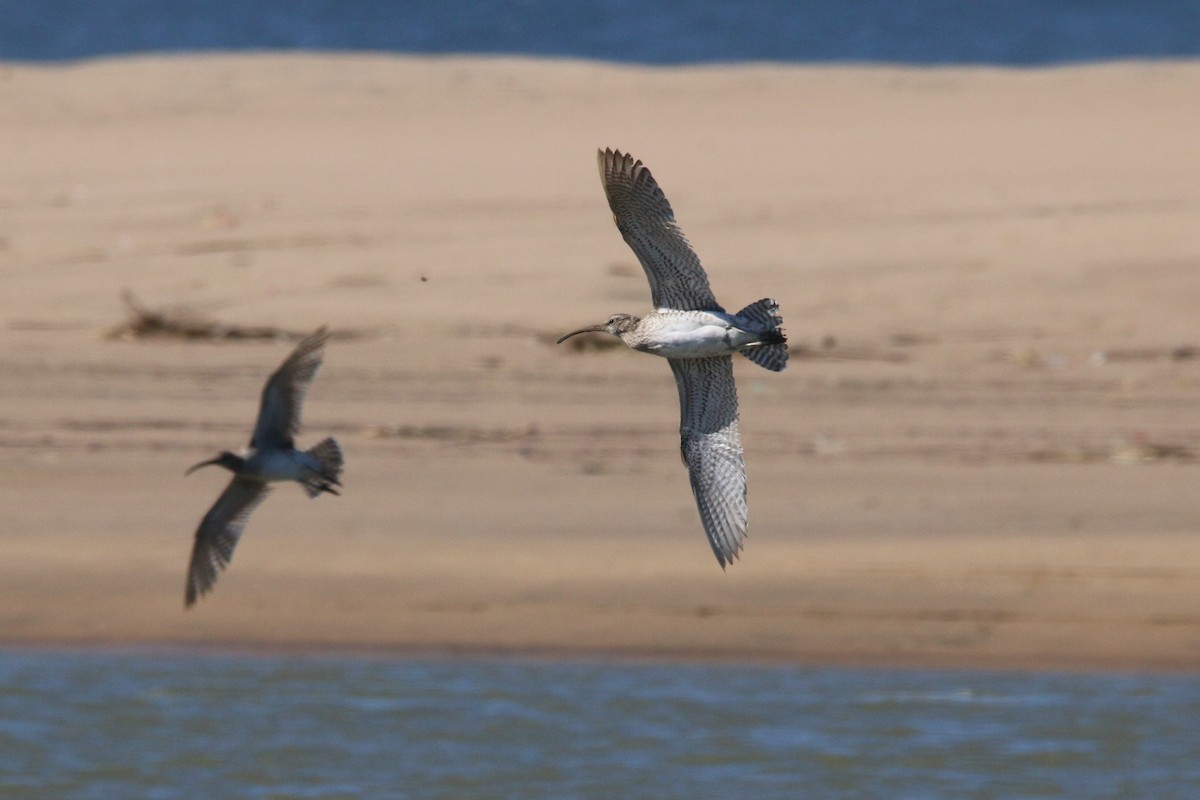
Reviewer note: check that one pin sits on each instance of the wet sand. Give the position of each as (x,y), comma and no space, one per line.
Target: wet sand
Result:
(983,453)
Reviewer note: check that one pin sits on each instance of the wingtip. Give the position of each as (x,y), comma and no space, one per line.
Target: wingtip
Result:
(723,559)
(319,336)
(604,160)
(728,553)
(612,160)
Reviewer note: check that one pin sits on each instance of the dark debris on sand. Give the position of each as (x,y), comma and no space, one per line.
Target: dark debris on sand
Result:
(183,323)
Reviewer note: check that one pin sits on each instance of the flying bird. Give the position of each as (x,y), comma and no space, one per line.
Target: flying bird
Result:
(271,457)
(697,337)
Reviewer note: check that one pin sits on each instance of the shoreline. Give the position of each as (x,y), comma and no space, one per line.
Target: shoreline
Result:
(814,661)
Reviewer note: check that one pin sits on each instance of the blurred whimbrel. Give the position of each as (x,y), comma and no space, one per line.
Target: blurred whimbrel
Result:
(695,334)
(272,456)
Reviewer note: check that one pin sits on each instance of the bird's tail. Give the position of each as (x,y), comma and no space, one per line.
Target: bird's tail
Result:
(770,351)
(328,455)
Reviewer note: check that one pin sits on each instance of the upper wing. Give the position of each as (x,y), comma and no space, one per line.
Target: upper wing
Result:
(712,449)
(218,534)
(647,224)
(279,411)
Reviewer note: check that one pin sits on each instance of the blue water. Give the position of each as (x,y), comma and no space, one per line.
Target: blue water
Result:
(1010,32)
(200,725)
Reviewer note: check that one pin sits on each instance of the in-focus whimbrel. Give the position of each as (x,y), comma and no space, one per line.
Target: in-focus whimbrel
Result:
(695,334)
(272,456)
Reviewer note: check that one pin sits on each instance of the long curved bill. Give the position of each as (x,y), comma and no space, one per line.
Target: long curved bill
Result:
(589,329)
(208,463)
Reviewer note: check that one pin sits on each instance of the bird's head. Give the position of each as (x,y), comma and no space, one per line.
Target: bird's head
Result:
(617,325)
(226,459)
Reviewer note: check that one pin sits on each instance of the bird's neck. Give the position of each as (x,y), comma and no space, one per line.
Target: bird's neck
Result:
(232,462)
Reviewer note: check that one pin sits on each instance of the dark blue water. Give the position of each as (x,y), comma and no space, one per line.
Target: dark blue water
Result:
(1009,32)
(192,725)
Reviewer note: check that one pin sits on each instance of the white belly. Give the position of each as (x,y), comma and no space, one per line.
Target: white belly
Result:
(278,465)
(695,334)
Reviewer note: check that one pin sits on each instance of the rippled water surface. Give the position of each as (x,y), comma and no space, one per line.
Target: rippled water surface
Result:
(200,725)
(1012,32)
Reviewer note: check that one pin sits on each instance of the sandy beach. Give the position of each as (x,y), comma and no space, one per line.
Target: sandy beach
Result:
(984,453)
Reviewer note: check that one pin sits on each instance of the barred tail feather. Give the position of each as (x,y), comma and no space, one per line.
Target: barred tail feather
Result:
(765,312)
(328,454)
(769,356)
(771,351)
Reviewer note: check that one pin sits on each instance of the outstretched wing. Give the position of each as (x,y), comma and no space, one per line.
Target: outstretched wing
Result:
(712,449)
(647,224)
(218,534)
(279,411)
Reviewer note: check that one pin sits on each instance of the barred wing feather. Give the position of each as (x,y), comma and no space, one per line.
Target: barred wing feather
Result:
(647,224)
(712,449)
(219,533)
(279,411)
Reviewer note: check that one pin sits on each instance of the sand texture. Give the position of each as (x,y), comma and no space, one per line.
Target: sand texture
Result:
(984,451)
